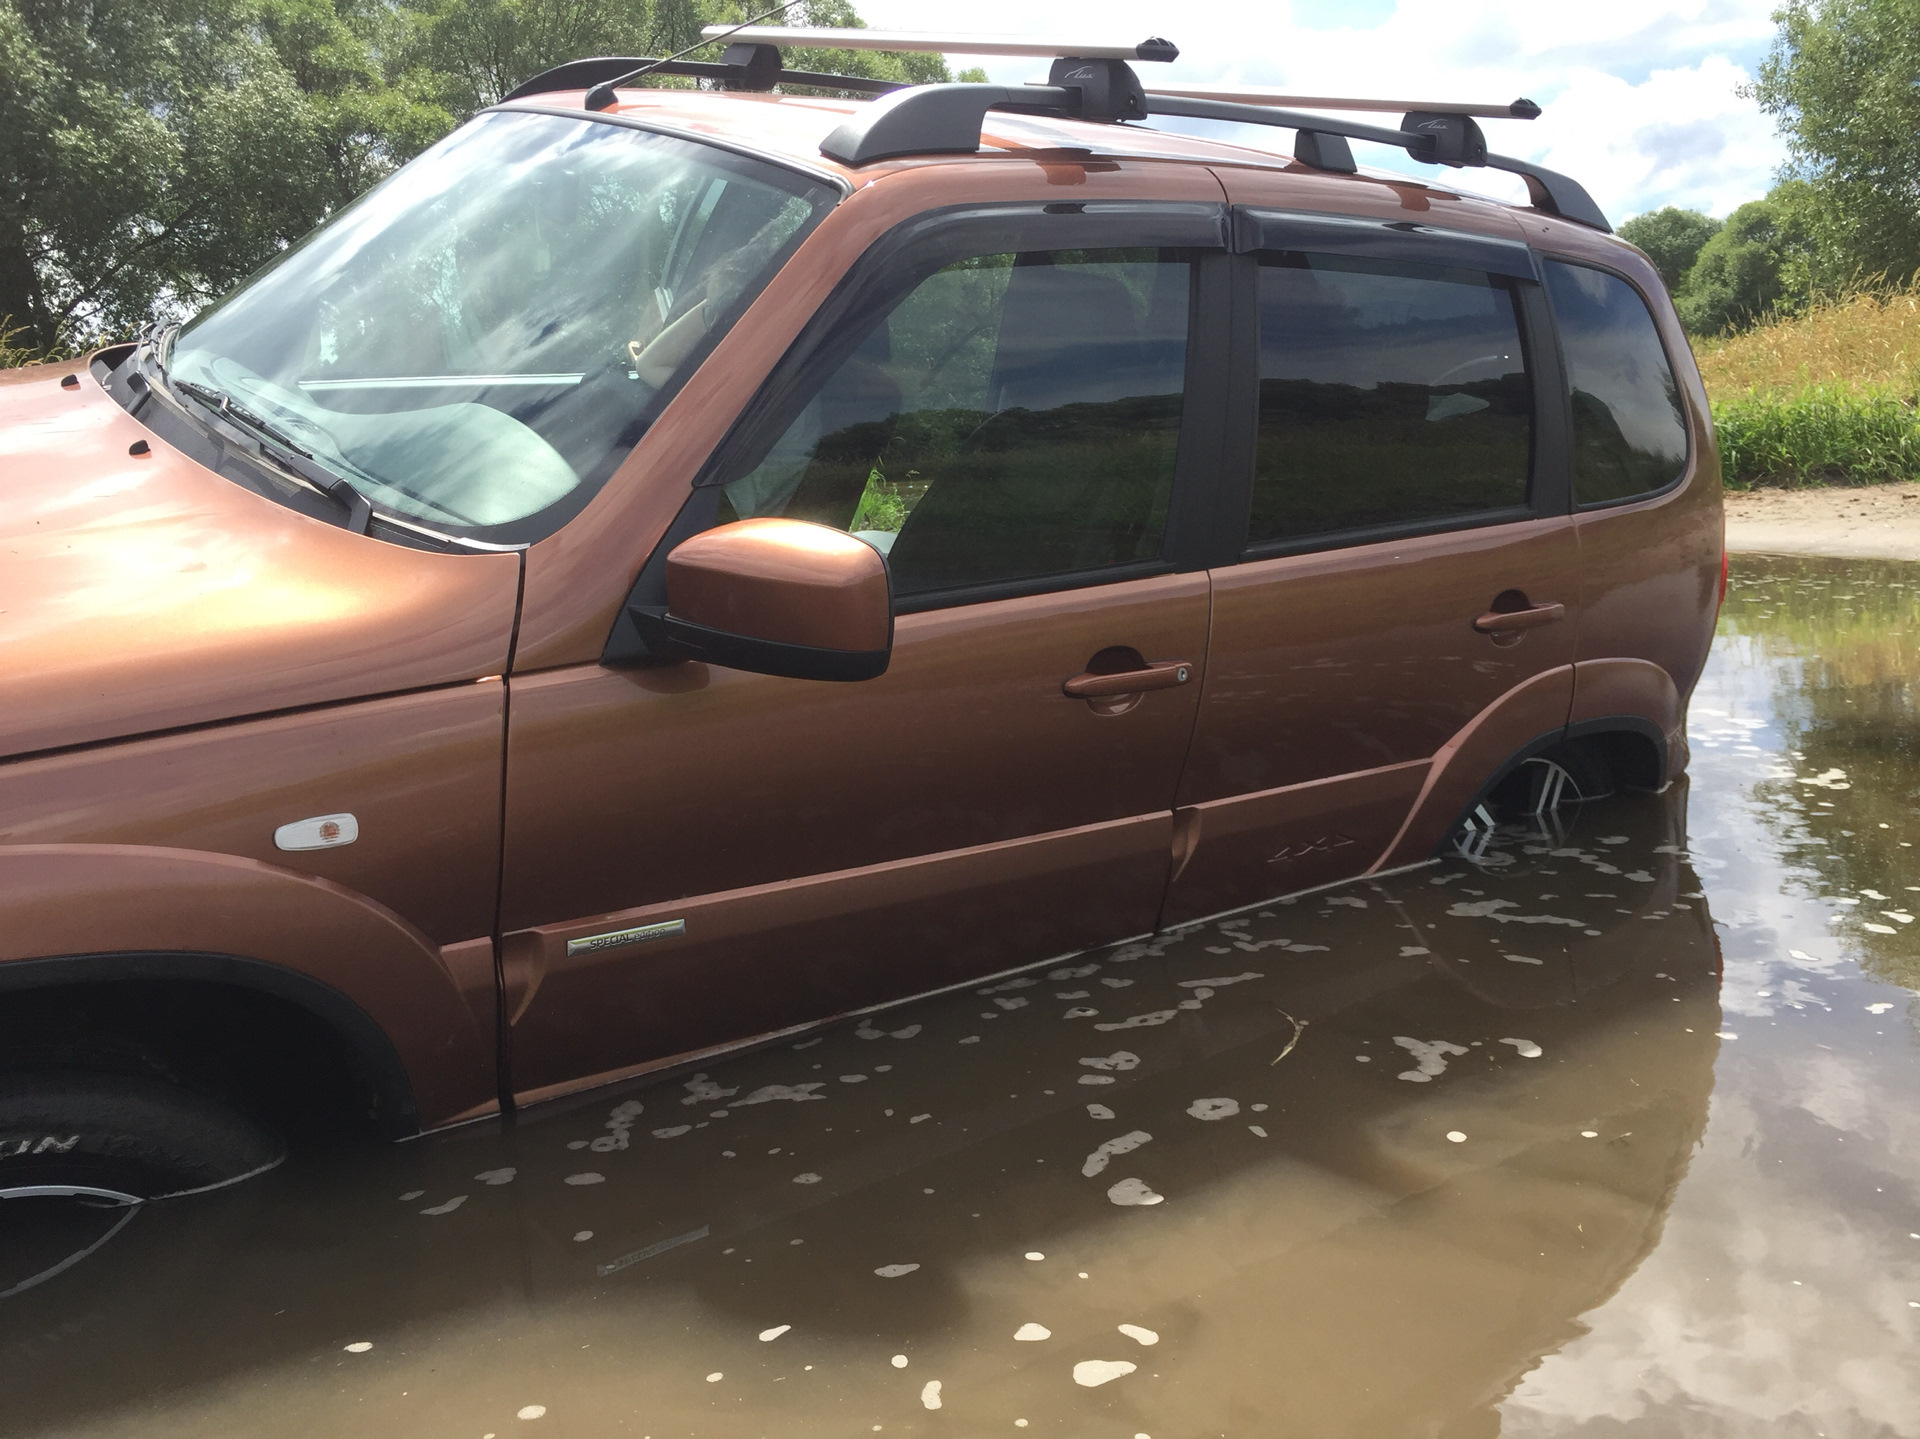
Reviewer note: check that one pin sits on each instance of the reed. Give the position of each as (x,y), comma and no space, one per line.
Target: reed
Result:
(1831,396)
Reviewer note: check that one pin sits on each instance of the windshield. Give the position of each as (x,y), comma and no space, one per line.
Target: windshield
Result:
(477,342)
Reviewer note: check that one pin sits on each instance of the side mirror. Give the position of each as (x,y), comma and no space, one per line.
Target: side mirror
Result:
(776,597)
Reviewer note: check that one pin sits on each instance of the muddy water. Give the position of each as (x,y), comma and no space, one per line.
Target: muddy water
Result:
(1614,1128)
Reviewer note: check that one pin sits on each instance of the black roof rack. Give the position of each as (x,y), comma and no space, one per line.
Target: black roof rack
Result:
(1087,82)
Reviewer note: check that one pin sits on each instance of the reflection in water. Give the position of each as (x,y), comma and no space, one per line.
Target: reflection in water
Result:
(1487,1147)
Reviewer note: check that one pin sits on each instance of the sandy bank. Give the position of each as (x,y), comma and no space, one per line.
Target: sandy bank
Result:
(1849,522)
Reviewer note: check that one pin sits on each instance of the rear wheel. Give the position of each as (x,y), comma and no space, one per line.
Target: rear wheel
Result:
(1536,796)
(124,1135)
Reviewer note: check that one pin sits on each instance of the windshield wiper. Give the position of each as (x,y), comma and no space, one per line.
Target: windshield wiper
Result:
(337,488)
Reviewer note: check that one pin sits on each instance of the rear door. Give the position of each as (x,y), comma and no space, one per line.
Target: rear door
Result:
(1404,562)
(1006,404)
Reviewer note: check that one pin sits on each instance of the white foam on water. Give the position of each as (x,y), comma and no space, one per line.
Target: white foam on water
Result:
(447,1208)
(1140,1021)
(767,1336)
(807,1178)
(971,1039)
(1220,983)
(1091,1373)
(899,1361)
(1080,1011)
(1871,928)
(1258,1130)
(930,1395)
(1035,1255)
(894,1271)
(1214,1108)
(1456,1136)
(853,1079)
(359,1346)
(1097,1161)
(672,1132)
(1133,1191)
(1430,1057)
(1032,1333)
(496,1176)
(1019,1001)
(1527,1048)
(768,1093)
(1121,1059)
(1112,983)
(1881,1008)
(1098,1079)
(1522,959)
(1079,971)
(1024,981)
(701,1089)
(1099,1111)
(715,1377)
(411,1195)
(1073,994)
(1408,951)
(531,1411)
(918,1117)
(1351,901)
(587,1178)
(582,1236)
(1491,909)
(1139,1334)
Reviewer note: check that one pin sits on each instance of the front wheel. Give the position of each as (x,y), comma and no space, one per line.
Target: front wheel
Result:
(1537,796)
(127,1136)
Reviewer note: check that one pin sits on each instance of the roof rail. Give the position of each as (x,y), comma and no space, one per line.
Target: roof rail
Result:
(749,71)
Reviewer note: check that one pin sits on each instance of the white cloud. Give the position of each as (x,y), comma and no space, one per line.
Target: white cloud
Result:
(1640,98)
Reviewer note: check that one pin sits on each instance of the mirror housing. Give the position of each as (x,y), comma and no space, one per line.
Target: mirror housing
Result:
(776,597)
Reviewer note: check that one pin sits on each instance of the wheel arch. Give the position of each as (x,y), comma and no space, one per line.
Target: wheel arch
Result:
(146,914)
(396,1112)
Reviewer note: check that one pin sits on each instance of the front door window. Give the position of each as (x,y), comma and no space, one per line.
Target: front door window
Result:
(1015,417)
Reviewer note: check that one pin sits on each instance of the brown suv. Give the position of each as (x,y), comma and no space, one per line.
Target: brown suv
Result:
(671,567)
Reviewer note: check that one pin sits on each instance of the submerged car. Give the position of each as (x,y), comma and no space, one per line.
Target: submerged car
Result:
(670,568)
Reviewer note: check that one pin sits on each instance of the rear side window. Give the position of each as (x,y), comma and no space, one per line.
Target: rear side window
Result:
(1390,394)
(1629,430)
(1015,417)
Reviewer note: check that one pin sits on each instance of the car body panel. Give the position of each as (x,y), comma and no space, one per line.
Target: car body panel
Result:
(146,593)
(630,789)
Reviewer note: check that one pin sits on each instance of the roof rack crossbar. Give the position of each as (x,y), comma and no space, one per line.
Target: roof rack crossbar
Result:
(1522,109)
(597,70)
(914,42)
(1442,140)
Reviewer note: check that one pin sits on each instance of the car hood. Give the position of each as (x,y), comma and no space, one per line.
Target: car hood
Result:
(144,593)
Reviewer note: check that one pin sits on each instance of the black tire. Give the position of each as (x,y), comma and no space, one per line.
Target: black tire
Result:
(123,1134)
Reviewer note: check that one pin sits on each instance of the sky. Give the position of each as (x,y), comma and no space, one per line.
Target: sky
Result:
(1639,97)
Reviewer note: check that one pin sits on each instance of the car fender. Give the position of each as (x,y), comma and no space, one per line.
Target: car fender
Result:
(94,911)
(1529,717)
(1632,695)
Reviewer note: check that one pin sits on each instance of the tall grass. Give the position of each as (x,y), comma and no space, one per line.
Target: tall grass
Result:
(1831,396)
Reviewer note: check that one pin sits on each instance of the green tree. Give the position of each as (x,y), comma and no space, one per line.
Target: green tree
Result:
(153,152)
(1843,81)
(1755,263)
(1672,238)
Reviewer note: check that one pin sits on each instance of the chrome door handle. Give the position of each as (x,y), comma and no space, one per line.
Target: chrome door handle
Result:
(1500,622)
(1158,675)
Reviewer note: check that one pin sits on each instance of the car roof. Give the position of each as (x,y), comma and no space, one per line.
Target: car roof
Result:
(790,128)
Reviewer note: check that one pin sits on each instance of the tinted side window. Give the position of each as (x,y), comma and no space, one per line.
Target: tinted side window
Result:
(1629,430)
(1015,417)
(1390,394)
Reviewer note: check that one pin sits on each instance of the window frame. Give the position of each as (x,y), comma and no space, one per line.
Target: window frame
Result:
(887,272)
(1566,386)
(1549,468)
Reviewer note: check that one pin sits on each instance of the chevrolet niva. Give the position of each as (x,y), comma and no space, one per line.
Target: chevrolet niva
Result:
(673,567)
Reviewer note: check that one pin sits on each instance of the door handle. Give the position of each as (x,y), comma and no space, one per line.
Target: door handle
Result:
(1158,675)
(1502,622)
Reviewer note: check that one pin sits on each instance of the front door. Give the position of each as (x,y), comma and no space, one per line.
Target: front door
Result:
(1407,562)
(697,855)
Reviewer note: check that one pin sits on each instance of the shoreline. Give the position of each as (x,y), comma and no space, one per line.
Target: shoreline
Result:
(1853,522)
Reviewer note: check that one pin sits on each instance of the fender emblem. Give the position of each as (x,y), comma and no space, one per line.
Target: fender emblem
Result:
(323,831)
